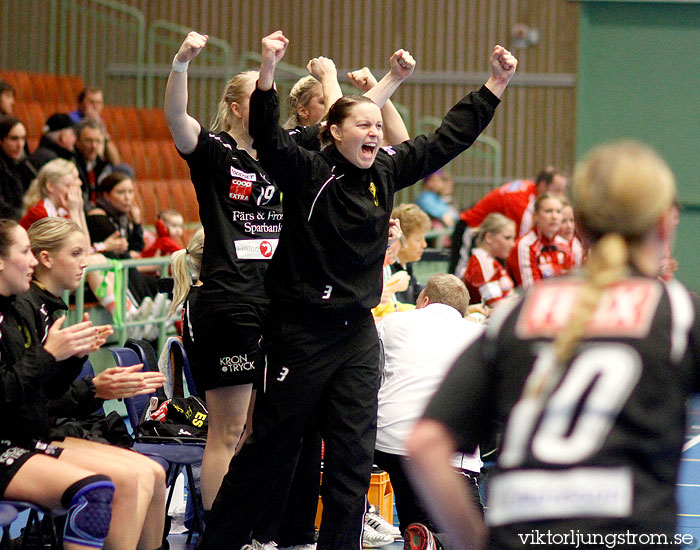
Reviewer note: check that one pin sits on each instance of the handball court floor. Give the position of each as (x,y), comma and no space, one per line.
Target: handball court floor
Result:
(688,489)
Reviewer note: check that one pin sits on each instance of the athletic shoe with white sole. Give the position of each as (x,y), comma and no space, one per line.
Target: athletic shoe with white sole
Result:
(373,539)
(255,545)
(418,537)
(375,520)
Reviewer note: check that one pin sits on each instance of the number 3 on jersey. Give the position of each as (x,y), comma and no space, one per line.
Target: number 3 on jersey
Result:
(573,422)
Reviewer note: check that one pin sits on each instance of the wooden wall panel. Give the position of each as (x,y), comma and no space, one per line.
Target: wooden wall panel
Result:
(535,124)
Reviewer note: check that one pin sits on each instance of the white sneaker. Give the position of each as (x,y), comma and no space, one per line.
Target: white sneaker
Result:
(373,539)
(255,545)
(375,520)
(298,547)
(143,311)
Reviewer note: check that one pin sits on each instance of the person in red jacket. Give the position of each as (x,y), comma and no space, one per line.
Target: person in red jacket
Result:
(541,253)
(515,200)
(568,231)
(486,278)
(170,227)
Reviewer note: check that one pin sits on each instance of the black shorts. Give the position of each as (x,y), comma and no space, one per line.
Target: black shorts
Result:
(227,343)
(13,457)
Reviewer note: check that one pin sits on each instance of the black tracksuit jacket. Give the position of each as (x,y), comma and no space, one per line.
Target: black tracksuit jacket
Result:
(336,219)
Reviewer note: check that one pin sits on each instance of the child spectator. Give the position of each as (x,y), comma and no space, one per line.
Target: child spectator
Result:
(170,227)
(436,197)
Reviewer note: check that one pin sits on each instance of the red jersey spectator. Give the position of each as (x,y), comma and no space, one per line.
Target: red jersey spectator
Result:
(486,278)
(170,228)
(541,253)
(568,231)
(516,200)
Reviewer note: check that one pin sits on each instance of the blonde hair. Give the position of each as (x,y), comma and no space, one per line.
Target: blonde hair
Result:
(494,223)
(444,288)
(50,234)
(50,172)
(412,219)
(167,216)
(301,94)
(186,265)
(236,91)
(620,192)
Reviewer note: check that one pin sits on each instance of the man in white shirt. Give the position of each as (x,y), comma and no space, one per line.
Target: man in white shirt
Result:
(420,347)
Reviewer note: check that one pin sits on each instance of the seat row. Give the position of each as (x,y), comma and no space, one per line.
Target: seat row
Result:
(154,196)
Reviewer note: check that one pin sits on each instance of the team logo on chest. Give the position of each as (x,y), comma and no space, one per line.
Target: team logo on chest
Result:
(241,184)
(373,191)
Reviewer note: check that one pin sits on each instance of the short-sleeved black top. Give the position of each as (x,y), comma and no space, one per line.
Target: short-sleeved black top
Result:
(241,211)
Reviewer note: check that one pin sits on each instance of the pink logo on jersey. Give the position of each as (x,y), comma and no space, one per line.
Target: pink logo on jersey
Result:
(266,249)
(240,190)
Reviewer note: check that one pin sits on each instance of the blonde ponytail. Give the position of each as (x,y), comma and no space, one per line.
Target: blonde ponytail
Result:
(185,266)
(607,264)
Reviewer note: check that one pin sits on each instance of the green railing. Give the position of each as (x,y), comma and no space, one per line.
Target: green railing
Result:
(218,54)
(120,328)
(132,22)
(477,170)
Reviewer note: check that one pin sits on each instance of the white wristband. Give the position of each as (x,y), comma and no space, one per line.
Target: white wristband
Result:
(179,66)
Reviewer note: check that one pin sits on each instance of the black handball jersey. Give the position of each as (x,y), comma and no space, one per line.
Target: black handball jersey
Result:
(241,212)
(591,447)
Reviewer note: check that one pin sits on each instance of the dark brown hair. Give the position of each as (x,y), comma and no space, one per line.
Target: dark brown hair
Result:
(6,240)
(111,181)
(339,112)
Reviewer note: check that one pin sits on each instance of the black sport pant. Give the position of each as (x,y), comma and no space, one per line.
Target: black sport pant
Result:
(326,371)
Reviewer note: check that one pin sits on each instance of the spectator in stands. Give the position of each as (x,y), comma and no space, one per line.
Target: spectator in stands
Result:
(514,200)
(115,229)
(419,348)
(568,232)
(55,192)
(117,212)
(7,98)
(90,105)
(15,172)
(170,227)
(486,277)
(414,225)
(436,198)
(57,141)
(89,158)
(541,253)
